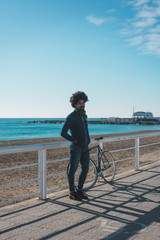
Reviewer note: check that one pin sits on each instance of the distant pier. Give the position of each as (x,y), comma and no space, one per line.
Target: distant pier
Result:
(124,121)
(62,121)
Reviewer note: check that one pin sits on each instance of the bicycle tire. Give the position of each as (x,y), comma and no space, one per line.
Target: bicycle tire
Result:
(91,176)
(108,168)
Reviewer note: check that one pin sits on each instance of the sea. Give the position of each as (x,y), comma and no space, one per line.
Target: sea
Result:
(19,128)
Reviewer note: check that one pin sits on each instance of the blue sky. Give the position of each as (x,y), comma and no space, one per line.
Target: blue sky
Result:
(51,48)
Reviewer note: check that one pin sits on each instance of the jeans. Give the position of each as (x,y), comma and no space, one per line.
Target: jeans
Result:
(78,154)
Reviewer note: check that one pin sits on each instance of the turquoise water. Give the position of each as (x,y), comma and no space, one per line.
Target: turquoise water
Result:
(18,128)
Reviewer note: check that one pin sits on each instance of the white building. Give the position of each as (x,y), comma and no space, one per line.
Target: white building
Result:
(145,115)
(118,120)
(111,119)
(158,118)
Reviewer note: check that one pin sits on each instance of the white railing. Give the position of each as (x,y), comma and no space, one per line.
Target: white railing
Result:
(42,162)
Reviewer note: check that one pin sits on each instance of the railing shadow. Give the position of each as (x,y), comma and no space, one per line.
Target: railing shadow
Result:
(105,204)
(137,226)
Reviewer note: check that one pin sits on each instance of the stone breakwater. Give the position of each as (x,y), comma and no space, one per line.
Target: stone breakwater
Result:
(47,121)
(134,122)
(62,121)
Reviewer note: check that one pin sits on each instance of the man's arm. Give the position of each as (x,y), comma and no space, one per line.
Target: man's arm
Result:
(67,125)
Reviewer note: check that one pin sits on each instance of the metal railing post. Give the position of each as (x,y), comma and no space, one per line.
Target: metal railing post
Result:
(137,153)
(42,173)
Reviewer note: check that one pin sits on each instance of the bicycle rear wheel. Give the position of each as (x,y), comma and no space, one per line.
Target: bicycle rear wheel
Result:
(107,167)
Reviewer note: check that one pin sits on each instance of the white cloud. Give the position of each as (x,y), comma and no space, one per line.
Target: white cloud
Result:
(135,3)
(111,10)
(136,40)
(97,20)
(153,42)
(148,12)
(145,22)
(131,31)
(156,29)
(144,28)
(138,3)
(156,1)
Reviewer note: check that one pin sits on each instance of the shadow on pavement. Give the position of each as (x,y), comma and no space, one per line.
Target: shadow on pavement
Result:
(119,205)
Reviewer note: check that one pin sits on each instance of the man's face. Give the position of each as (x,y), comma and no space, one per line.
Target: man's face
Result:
(80,105)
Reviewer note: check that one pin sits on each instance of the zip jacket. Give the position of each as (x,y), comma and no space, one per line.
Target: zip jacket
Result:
(78,126)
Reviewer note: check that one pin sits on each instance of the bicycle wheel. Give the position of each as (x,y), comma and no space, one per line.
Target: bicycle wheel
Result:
(91,176)
(107,167)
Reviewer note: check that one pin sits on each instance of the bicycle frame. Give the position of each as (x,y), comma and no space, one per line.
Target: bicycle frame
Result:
(99,156)
(100,168)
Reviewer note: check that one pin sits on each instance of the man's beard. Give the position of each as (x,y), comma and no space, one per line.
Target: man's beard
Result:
(81,111)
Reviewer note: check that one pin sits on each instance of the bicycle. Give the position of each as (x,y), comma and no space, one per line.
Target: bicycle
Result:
(105,167)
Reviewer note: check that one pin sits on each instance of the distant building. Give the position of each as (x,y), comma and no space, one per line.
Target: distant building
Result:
(111,119)
(158,118)
(124,120)
(118,120)
(144,118)
(143,115)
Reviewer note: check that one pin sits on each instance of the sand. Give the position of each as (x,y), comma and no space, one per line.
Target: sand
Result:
(16,159)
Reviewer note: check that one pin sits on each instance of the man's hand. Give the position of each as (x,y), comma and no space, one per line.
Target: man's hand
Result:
(75,141)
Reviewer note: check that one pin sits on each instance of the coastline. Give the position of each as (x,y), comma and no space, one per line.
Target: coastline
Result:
(13,129)
(19,142)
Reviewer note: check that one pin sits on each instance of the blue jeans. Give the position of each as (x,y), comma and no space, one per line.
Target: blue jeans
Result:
(78,154)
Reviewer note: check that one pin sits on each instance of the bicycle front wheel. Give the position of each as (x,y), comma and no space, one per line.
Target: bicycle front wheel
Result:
(91,176)
(107,167)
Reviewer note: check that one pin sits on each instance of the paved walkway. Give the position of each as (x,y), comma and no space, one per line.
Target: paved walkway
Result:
(128,209)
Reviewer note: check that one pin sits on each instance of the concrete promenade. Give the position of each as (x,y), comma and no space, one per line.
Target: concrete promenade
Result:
(127,209)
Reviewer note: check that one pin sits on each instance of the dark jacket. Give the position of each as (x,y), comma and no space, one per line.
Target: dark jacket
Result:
(77,124)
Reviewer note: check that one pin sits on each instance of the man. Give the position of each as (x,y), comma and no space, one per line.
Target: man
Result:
(76,122)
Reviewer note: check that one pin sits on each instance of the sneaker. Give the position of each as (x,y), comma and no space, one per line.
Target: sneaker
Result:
(75,196)
(82,194)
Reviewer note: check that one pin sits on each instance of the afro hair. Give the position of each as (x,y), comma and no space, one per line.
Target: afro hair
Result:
(78,96)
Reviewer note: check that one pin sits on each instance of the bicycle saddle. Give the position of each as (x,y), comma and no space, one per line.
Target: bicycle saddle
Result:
(99,138)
